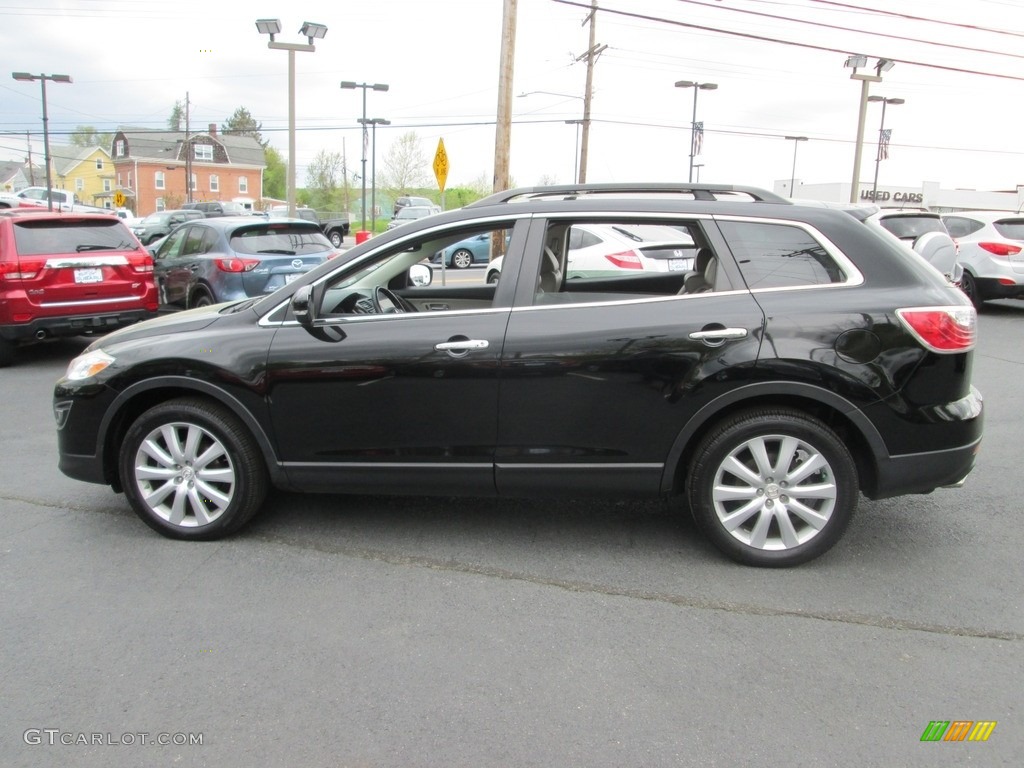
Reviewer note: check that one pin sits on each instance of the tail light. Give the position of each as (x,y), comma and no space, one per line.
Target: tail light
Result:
(141,262)
(1000,249)
(334,254)
(236,264)
(946,330)
(23,269)
(625,260)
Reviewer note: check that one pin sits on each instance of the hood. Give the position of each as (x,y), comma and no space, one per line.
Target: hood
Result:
(177,322)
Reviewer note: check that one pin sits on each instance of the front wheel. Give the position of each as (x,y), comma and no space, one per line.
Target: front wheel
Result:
(772,488)
(462,258)
(191,470)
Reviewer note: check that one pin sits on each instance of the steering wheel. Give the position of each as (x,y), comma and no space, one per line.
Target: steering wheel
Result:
(386,302)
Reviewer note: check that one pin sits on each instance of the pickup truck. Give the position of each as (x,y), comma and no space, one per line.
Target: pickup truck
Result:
(335,229)
(62,200)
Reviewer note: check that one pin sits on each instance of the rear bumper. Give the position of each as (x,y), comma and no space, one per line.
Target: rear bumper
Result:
(991,288)
(73,325)
(935,469)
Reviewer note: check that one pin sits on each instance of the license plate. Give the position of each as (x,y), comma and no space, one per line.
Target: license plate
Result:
(89,275)
(289,277)
(679,265)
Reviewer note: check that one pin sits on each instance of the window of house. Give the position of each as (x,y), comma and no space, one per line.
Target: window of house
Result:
(243,184)
(119,180)
(160,204)
(119,148)
(214,183)
(158,180)
(79,185)
(106,185)
(99,163)
(203,151)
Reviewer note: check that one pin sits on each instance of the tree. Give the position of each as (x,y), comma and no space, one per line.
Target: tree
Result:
(177,117)
(405,165)
(242,123)
(87,136)
(323,176)
(274,177)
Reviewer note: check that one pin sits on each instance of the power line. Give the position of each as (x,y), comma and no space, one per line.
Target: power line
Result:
(765,39)
(919,18)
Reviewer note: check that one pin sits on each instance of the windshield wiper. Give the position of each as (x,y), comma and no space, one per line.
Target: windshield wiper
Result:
(81,248)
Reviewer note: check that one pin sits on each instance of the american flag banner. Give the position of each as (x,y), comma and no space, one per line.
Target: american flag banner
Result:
(883,143)
(698,138)
(366,142)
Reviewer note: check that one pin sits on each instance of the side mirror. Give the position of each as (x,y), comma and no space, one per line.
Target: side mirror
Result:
(303,308)
(421,274)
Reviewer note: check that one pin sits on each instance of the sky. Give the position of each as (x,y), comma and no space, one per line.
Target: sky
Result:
(778,65)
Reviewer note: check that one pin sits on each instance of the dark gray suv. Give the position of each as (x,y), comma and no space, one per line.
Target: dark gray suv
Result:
(160,224)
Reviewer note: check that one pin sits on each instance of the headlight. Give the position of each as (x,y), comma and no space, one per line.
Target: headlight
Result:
(89,364)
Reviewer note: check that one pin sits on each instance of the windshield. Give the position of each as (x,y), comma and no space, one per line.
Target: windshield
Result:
(156,218)
(413,213)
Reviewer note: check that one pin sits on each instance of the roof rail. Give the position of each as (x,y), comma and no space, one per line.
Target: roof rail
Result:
(709,192)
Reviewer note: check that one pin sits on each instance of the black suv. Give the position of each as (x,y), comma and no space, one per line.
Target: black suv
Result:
(806,359)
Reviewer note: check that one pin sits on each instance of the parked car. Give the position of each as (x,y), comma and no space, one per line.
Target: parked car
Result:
(64,274)
(472,250)
(814,360)
(214,208)
(334,229)
(991,247)
(160,224)
(405,215)
(602,249)
(223,259)
(407,201)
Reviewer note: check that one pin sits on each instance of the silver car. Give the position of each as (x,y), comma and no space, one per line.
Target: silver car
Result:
(991,253)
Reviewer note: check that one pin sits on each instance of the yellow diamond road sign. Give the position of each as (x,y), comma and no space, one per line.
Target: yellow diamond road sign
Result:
(119,199)
(441,165)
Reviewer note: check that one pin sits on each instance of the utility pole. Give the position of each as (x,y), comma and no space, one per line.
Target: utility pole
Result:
(593,50)
(503,129)
(188,157)
(31,170)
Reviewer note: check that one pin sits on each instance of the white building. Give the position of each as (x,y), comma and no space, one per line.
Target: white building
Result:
(929,195)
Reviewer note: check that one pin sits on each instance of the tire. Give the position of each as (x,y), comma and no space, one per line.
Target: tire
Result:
(462,258)
(200,298)
(492,277)
(970,288)
(7,353)
(741,482)
(191,470)
(336,238)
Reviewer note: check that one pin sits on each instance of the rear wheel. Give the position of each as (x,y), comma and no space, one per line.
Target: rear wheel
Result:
(970,287)
(336,238)
(191,470)
(772,488)
(462,258)
(200,298)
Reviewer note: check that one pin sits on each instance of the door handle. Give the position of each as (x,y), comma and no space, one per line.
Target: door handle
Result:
(718,336)
(464,346)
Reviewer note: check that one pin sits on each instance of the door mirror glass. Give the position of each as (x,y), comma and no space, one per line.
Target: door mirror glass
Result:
(420,274)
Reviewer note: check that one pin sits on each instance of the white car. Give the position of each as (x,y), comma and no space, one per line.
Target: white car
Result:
(991,253)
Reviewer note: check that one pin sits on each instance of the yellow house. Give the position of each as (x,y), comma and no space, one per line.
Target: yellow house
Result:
(86,171)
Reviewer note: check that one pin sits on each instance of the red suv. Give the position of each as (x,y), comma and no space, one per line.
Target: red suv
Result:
(68,275)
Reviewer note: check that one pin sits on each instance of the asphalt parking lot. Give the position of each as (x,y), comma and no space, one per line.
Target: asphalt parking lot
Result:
(377,631)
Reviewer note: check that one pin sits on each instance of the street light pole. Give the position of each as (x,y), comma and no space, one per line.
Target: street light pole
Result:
(856,62)
(310,30)
(27,77)
(351,85)
(881,130)
(693,123)
(373,123)
(792,178)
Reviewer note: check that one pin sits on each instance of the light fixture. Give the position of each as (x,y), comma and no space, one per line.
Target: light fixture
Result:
(311,30)
(856,62)
(269,27)
(884,65)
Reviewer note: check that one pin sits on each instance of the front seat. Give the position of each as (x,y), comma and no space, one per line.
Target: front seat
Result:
(702,278)
(550,280)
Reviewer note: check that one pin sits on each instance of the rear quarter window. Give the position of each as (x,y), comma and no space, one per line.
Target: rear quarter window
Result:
(38,238)
(779,256)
